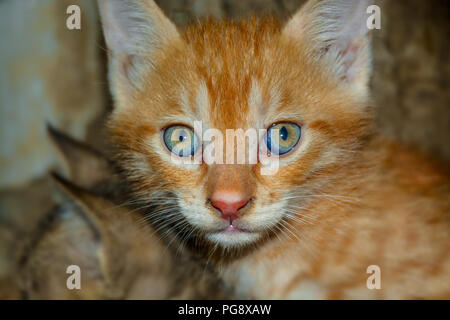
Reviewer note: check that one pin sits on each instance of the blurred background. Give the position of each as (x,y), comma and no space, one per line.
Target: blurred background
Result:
(50,74)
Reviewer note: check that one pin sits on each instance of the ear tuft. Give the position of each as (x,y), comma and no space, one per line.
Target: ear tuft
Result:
(337,34)
(134,32)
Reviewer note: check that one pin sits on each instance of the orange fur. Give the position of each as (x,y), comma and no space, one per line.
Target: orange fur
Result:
(343,200)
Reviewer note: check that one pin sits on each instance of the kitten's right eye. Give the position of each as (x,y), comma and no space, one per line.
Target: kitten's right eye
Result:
(181,140)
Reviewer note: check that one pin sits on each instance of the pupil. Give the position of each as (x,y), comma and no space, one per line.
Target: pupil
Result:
(284,133)
(181,138)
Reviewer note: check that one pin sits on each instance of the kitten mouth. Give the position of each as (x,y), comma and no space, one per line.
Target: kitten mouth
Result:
(231,228)
(233,236)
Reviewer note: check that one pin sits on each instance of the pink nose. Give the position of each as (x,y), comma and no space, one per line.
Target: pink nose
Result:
(228,205)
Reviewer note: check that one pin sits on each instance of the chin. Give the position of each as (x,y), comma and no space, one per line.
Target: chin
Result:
(233,238)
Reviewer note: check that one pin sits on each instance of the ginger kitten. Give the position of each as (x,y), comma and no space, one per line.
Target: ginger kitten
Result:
(342,198)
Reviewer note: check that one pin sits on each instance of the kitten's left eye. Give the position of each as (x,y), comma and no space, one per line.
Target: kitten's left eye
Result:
(282,137)
(181,140)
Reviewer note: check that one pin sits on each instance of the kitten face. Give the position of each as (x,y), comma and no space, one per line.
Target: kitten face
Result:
(249,75)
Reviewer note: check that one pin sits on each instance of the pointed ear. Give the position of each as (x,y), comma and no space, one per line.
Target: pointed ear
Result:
(336,33)
(83,165)
(135,30)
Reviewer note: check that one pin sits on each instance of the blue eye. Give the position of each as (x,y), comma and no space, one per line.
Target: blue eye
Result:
(181,140)
(282,137)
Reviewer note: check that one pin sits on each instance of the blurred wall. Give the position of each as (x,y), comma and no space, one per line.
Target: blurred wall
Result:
(411,82)
(49,74)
